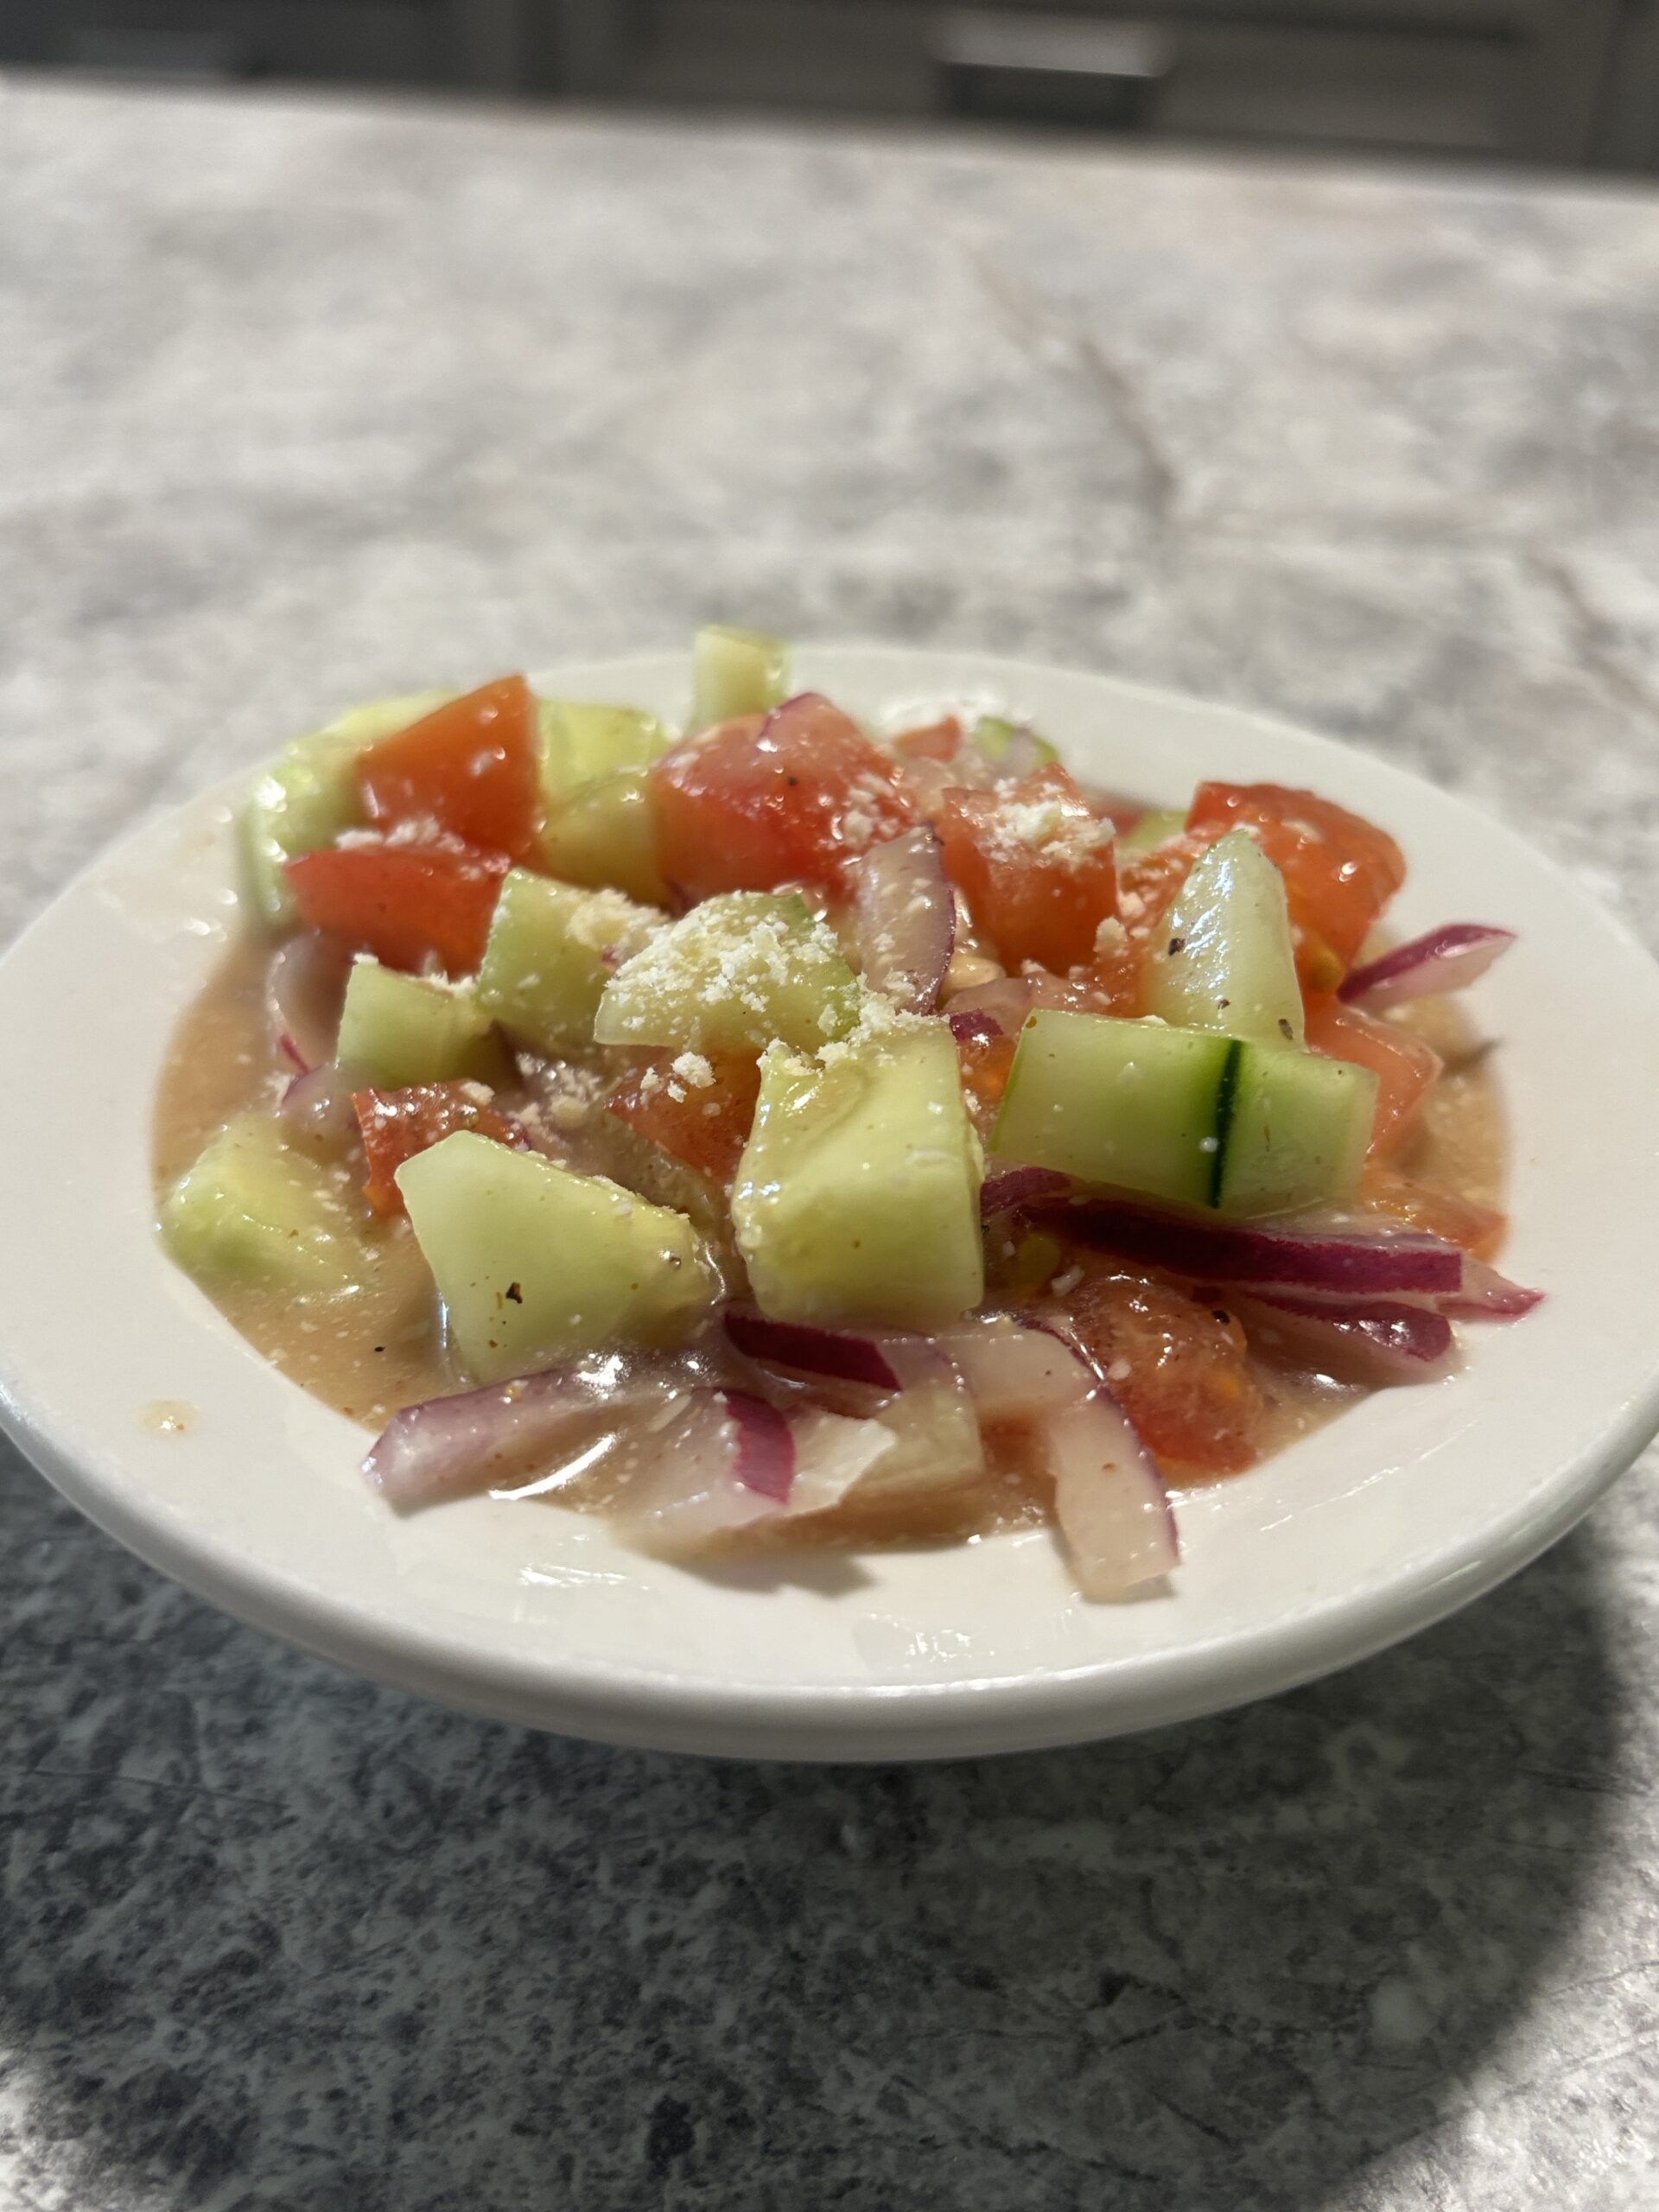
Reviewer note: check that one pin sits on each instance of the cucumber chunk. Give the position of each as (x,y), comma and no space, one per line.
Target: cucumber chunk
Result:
(736,672)
(993,734)
(857,1197)
(1155,828)
(253,1210)
(537,1265)
(1185,1116)
(1129,1103)
(308,795)
(1224,959)
(1300,1127)
(738,971)
(396,1030)
(580,745)
(606,839)
(550,951)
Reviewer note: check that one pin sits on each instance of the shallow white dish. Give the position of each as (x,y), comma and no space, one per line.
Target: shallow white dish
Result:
(1404,1509)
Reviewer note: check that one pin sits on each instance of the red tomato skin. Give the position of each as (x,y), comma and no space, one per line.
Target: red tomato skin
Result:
(1041,901)
(1406,1067)
(411,906)
(468,770)
(707,1126)
(1340,871)
(770,799)
(398,1124)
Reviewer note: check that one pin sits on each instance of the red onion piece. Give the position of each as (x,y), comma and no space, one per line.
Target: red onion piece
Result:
(1009,1187)
(1109,1499)
(904,920)
(1014,1373)
(1488,1296)
(306,989)
(316,1111)
(763,1451)
(1446,959)
(1309,1255)
(1006,1002)
(973,1025)
(480,1438)
(836,1353)
(1376,1340)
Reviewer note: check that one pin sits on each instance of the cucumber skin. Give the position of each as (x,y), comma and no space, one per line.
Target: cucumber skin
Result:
(537,1265)
(396,1030)
(254,1211)
(736,672)
(856,1200)
(545,966)
(308,795)
(1212,1122)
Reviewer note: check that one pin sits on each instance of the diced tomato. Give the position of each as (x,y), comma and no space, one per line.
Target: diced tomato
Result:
(785,797)
(1340,870)
(1477,1229)
(1035,866)
(1406,1067)
(397,1124)
(706,1125)
(1178,1370)
(940,740)
(1147,885)
(406,903)
(468,770)
(985,1063)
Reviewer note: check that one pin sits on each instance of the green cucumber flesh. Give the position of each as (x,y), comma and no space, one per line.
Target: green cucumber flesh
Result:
(1224,958)
(551,949)
(582,744)
(396,1030)
(740,970)
(537,1264)
(253,1211)
(736,672)
(605,839)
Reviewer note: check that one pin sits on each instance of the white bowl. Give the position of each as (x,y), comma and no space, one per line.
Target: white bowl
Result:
(1405,1508)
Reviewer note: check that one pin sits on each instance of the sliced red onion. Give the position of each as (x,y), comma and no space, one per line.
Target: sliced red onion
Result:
(1109,1499)
(904,920)
(972,1026)
(1308,1254)
(833,1455)
(763,1451)
(1446,959)
(306,989)
(1009,1187)
(316,1111)
(1014,1373)
(479,1438)
(1376,1340)
(1485,1296)
(1006,1002)
(837,1353)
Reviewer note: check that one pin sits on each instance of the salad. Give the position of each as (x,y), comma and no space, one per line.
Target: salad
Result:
(792,1131)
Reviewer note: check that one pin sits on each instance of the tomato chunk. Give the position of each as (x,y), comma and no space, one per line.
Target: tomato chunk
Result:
(397,1124)
(1477,1229)
(1034,863)
(1406,1067)
(785,797)
(469,770)
(408,905)
(1340,870)
(704,1124)
(985,1064)
(1179,1371)
(939,740)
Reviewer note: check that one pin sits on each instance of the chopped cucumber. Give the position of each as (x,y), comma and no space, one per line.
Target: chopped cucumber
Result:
(253,1210)
(1154,828)
(537,1265)
(308,795)
(736,672)
(397,1030)
(992,735)
(1185,1116)
(1224,959)
(551,951)
(606,839)
(738,971)
(580,745)
(857,1196)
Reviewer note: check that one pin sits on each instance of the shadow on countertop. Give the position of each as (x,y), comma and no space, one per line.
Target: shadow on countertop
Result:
(274,1938)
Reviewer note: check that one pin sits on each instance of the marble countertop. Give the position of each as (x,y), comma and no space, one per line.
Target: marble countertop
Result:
(303,401)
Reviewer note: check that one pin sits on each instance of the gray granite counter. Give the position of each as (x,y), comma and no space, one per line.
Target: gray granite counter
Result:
(301,403)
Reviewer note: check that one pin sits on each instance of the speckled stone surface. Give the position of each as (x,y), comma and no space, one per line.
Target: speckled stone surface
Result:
(301,404)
